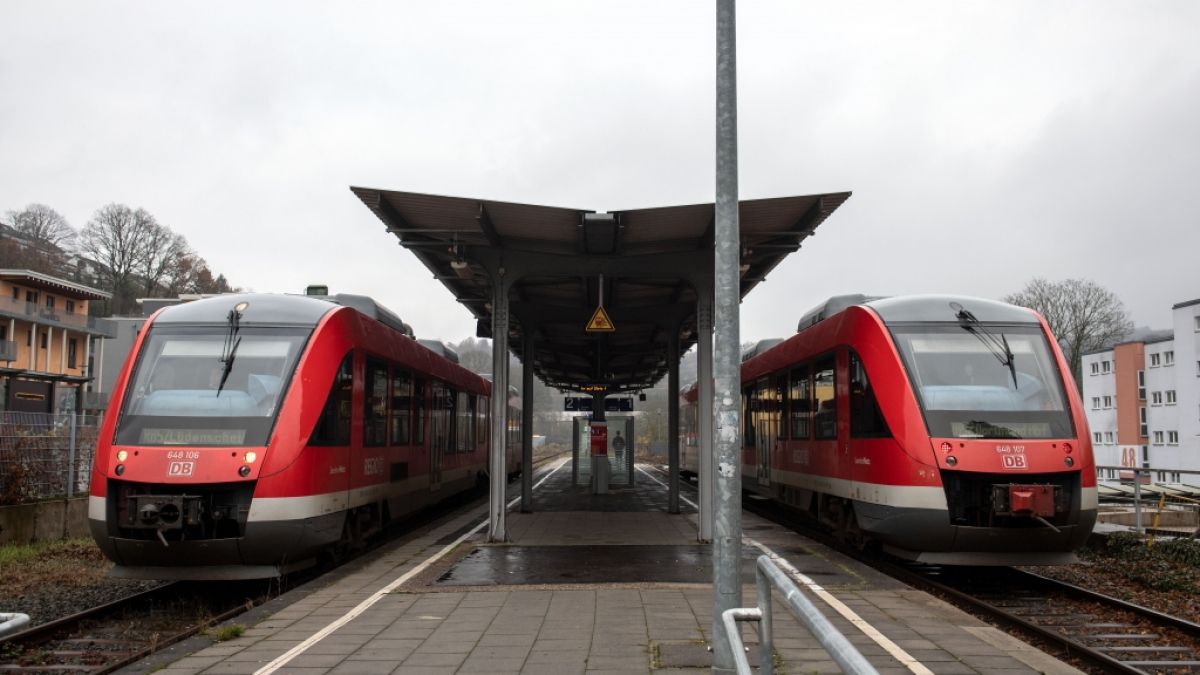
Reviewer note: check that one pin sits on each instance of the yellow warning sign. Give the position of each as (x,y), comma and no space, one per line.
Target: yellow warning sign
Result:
(600,322)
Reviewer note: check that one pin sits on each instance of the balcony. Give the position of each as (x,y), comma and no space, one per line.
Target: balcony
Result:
(11,308)
(8,350)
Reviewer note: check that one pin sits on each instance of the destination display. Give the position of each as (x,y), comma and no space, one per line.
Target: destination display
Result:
(584,404)
(192,436)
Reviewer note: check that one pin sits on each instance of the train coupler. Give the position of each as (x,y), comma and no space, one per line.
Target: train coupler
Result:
(1032,501)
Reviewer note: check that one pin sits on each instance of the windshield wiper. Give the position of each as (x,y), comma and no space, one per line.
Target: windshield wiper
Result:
(997,346)
(229,349)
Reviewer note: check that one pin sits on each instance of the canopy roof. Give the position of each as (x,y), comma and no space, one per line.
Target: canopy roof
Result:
(558,263)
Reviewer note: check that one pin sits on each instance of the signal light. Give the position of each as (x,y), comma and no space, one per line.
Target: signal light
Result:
(244,470)
(121,455)
(120,470)
(251,456)
(951,460)
(1067,448)
(946,447)
(1068,461)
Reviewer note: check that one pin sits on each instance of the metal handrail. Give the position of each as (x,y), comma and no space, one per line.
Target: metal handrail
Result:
(768,576)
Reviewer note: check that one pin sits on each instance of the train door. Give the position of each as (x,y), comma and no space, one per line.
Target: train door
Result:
(767,425)
(440,418)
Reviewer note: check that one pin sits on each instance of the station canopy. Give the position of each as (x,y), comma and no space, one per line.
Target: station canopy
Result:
(643,266)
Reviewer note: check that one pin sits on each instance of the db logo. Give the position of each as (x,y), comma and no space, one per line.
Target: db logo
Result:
(181,468)
(1014,461)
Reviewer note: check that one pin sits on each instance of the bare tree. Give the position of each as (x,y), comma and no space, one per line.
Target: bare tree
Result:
(166,255)
(44,239)
(117,238)
(1083,315)
(43,225)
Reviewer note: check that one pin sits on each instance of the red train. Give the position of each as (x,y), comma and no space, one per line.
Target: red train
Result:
(947,429)
(250,433)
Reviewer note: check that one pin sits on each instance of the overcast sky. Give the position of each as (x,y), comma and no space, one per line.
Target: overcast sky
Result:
(985,143)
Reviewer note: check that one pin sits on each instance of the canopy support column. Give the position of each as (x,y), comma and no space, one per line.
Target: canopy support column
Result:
(673,421)
(497,470)
(704,399)
(527,422)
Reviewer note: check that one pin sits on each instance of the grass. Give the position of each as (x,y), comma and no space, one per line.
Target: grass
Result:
(229,632)
(70,562)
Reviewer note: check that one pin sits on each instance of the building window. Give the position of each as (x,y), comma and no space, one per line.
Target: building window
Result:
(1196,319)
(1155,360)
(49,302)
(1095,368)
(45,340)
(1108,438)
(1156,398)
(1095,403)
(1169,357)
(1141,385)
(1107,402)
(1143,428)
(1106,366)
(31,296)
(1170,397)
(72,353)
(70,306)
(1172,438)
(16,293)
(1097,435)
(1158,438)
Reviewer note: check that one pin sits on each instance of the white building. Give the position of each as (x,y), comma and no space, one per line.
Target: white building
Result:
(1142,399)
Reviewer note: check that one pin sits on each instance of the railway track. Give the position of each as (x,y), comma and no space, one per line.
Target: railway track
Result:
(1099,633)
(1107,634)
(105,638)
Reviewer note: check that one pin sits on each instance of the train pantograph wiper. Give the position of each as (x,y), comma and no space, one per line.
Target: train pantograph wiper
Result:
(997,346)
(232,341)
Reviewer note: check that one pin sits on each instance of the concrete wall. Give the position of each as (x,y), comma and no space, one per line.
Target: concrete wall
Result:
(43,521)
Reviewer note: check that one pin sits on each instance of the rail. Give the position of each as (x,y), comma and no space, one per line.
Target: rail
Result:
(767,577)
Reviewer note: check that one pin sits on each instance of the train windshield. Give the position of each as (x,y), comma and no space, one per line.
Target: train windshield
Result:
(982,381)
(194,386)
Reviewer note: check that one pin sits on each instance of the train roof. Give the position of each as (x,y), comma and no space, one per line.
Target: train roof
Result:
(920,309)
(272,308)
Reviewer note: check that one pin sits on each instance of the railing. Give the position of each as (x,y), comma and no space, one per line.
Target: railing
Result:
(45,456)
(768,576)
(8,350)
(20,309)
(1173,493)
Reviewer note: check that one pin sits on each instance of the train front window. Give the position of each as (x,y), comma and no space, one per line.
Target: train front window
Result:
(970,388)
(185,390)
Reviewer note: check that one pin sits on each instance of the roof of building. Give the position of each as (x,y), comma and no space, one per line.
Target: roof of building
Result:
(47,282)
(1141,334)
(1187,303)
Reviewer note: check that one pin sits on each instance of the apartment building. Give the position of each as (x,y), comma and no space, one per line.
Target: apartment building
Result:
(46,342)
(1142,398)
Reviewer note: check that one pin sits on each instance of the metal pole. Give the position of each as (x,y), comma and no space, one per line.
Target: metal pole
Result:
(497,471)
(71,460)
(1137,501)
(673,422)
(704,377)
(727,514)
(527,422)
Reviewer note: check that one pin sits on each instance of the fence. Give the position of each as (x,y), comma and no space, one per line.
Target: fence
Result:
(45,456)
(1157,499)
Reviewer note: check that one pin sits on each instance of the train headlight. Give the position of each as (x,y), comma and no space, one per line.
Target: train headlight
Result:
(251,456)
(120,469)
(1068,461)
(122,455)
(1067,449)
(244,470)
(951,460)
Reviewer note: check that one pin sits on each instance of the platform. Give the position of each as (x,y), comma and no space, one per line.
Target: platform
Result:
(587,585)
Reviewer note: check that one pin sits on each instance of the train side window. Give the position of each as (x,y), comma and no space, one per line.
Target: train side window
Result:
(866,420)
(800,401)
(401,403)
(333,427)
(418,425)
(375,406)
(825,398)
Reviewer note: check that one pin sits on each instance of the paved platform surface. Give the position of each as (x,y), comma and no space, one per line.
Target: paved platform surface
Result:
(616,592)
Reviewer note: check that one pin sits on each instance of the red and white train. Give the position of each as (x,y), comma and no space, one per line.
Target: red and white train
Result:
(947,429)
(250,433)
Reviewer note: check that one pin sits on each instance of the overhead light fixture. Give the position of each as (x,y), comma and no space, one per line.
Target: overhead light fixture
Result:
(461,268)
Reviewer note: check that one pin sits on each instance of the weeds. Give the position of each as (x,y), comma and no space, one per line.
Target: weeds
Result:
(229,632)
